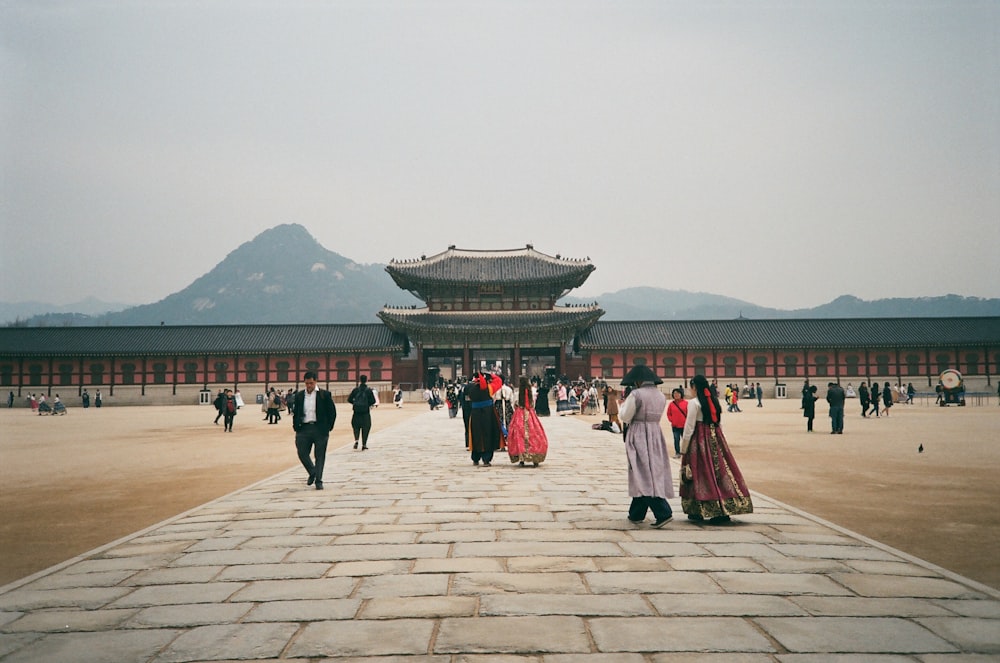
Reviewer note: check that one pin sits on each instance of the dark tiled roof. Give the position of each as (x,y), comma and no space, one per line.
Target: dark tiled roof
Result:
(206,339)
(852,333)
(469,267)
(573,317)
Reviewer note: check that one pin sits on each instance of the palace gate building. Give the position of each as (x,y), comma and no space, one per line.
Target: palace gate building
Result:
(493,310)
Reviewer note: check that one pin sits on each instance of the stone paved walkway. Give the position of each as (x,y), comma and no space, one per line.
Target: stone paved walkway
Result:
(412,554)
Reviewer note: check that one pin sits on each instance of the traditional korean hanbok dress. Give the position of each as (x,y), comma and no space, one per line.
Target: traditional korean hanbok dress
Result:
(712,486)
(526,439)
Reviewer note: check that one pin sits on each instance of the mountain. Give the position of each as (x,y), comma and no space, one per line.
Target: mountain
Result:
(660,304)
(281,276)
(21,311)
(285,276)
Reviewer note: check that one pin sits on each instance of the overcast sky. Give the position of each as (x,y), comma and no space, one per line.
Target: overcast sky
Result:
(783,153)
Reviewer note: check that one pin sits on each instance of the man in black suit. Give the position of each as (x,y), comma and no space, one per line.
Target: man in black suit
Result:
(312,419)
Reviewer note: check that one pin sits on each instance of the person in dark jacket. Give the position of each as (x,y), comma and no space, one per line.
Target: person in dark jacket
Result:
(809,407)
(835,396)
(313,416)
(361,399)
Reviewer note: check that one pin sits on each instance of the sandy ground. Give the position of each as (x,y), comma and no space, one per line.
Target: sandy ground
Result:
(70,484)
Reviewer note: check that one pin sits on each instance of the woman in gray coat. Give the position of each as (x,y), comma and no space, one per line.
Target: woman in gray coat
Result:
(650,482)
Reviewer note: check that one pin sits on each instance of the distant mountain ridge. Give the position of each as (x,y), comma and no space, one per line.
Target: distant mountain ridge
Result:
(645,303)
(284,276)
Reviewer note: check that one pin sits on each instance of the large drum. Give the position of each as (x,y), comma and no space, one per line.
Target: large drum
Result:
(952,388)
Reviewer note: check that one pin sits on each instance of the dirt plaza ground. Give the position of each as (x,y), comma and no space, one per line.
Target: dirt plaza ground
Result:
(76,482)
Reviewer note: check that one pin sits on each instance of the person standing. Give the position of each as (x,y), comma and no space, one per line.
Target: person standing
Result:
(313,417)
(361,400)
(542,400)
(887,397)
(612,406)
(10,400)
(562,399)
(835,397)
(876,397)
(526,439)
(677,411)
(219,403)
(228,411)
(451,397)
(483,436)
(503,404)
(712,487)
(397,396)
(274,407)
(98,400)
(809,399)
(864,397)
(86,399)
(650,482)
(760,395)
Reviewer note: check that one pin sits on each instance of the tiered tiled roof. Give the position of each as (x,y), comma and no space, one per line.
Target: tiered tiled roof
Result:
(834,333)
(464,267)
(416,321)
(188,340)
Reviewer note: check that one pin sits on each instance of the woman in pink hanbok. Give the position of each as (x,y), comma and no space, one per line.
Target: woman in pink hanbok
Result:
(526,440)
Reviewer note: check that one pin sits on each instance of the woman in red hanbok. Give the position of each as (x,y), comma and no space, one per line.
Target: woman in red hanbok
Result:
(712,486)
(526,440)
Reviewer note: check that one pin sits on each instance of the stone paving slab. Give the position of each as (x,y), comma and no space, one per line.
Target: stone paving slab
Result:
(413,555)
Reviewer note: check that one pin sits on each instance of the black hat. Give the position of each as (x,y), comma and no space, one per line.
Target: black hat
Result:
(640,373)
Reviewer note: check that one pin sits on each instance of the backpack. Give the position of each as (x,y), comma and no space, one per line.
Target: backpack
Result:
(361,403)
(230,405)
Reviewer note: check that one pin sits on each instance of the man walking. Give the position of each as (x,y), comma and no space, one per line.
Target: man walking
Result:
(312,420)
(835,397)
(361,399)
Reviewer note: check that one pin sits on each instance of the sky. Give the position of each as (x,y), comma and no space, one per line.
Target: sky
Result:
(784,153)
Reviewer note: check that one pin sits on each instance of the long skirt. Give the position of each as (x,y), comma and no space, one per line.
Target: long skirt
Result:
(526,439)
(712,485)
(542,404)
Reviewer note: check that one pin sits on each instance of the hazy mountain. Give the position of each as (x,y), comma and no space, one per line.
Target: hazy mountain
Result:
(660,304)
(281,276)
(21,311)
(285,276)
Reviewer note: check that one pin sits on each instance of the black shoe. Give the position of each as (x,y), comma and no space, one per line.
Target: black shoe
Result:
(718,520)
(635,522)
(364,447)
(312,480)
(486,465)
(355,445)
(660,523)
(319,485)
(696,518)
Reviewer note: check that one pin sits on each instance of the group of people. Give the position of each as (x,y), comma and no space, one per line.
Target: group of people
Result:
(494,421)
(879,400)
(275,402)
(314,414)
(39,403)
(888,395)
(226,406)
(712,488)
